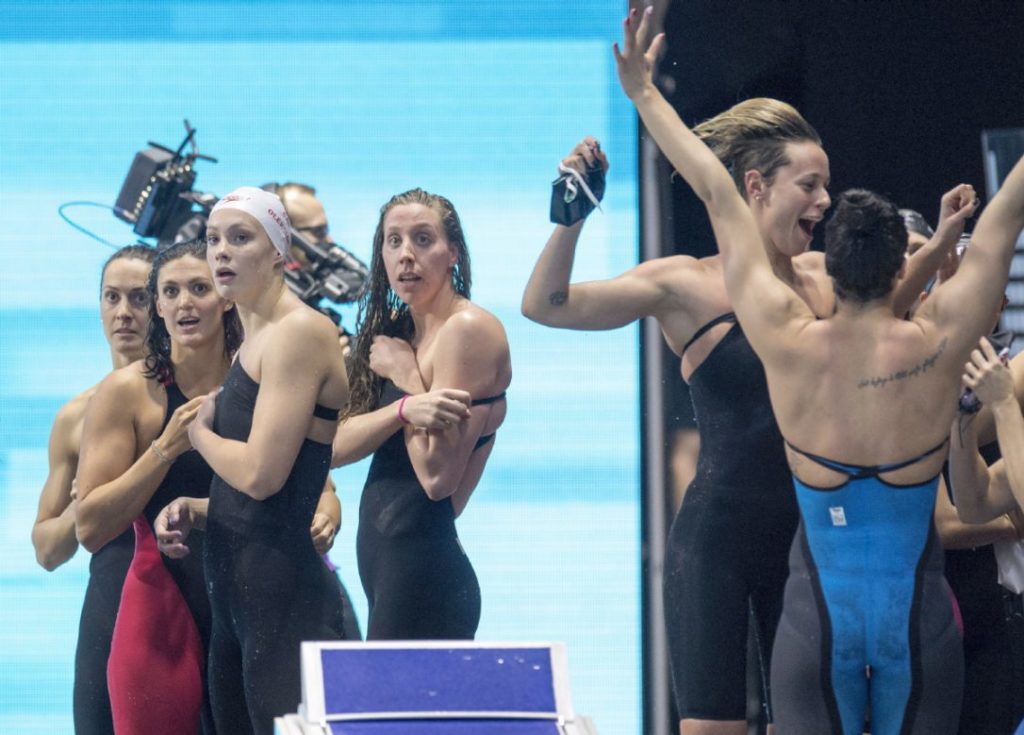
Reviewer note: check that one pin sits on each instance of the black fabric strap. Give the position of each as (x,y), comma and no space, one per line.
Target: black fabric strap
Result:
(859,472)
(727,317)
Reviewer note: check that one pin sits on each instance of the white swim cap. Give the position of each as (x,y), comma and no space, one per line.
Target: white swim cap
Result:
(268,211)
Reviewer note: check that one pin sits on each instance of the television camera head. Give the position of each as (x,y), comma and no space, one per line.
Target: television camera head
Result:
(151,198)
(329,272)
(158,201)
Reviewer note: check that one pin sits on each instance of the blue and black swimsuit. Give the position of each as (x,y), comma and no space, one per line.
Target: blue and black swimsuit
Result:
(867,615)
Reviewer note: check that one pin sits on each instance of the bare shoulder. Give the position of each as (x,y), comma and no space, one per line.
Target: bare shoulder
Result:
(473,326)
(303,328)
(129,378)
(125,394)
(473,350)
(72,412)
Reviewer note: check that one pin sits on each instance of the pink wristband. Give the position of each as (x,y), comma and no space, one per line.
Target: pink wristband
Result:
(401,402)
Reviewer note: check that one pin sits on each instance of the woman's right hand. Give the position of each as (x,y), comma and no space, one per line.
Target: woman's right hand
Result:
(173,440)
(957,206)
(393,359)
(988,376)
(437,409)
(172,527)
(585,155)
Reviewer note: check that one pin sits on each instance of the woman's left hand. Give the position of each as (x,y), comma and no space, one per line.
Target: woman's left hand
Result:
(987,375)
(635,61)
(322,531)
(393,359)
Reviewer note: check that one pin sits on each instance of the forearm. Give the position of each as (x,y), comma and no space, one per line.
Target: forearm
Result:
(438,459)
(411,382)
(1009,200)
(234,463)
(685,151)
(54,538)
(739,243)
(959,535)
(107,510)
(994,239)
(921,267)
(359,436)
(200,510)
(969,478)
(546,298)
(1010,432)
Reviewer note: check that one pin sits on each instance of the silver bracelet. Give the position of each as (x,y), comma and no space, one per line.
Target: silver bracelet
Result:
(159,454)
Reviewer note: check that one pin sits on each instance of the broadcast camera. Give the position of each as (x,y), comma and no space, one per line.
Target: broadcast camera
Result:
(158,201)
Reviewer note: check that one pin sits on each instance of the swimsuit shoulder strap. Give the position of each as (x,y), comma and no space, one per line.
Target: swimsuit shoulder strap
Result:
(726,317)
(489,399)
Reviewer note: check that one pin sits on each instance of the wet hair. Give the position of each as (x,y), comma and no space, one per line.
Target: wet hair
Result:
(146,253)
(293,186)
(158,340)
(915,222)
(865,245)
(752,136)
(381,312)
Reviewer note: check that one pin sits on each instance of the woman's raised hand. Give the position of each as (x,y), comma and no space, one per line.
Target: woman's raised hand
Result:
(987,375)
(586,155)
(958,205)
(636,59)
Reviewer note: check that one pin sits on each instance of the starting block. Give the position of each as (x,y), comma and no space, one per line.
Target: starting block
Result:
(434,688)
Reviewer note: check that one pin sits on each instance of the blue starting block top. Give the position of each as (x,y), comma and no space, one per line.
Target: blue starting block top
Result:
(378,688)
(447,727)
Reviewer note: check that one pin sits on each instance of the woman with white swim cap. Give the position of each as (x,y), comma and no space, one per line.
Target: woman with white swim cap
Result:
(267,435)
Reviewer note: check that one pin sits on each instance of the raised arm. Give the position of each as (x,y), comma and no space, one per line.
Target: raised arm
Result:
(934,254)
(762,301)
(968,302)
(297,360)
(471,352)
(982,493)
(53,533)
(116,477)
(552,300)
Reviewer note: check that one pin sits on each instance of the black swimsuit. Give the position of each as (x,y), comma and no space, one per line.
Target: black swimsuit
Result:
(418,580)
(728,546)
(269,589)
(993,636)
(107,570)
